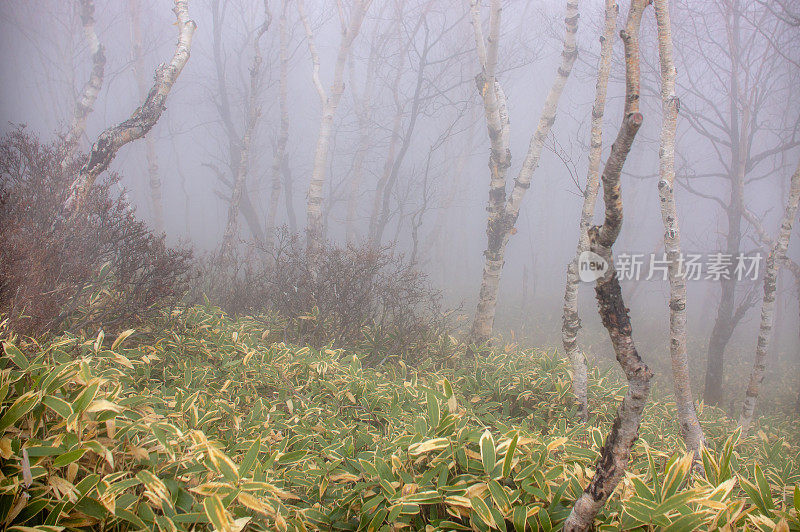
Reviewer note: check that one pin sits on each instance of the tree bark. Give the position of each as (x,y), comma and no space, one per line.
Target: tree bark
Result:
(280,150)
(571,322)
(777,254)
(234,138)
(253,113)
(314,225)
(150,146)
(85,103)
(143,118)
(687,415)
(615,454)
(503,213)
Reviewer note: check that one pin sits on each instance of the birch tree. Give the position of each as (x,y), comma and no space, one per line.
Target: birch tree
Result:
(154,180)
(143,118)
(330,102)
(225,109)
(615,454)
(503,209)
(88,96)
(730,93)
(687,415)
(253,114)
(776,255)
(571,322)
(279,159)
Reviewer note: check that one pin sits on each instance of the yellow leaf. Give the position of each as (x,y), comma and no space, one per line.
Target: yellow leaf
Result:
(121,338)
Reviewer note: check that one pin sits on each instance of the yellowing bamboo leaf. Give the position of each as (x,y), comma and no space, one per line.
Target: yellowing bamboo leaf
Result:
(426,446)
(121,338)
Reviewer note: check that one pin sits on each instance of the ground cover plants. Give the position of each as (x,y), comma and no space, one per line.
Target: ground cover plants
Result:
(218,425)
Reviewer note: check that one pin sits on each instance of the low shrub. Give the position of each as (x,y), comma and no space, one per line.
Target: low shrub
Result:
(96,269)
(359,296)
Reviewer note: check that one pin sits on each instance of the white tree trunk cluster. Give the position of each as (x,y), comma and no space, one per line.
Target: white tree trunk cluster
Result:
(142,119)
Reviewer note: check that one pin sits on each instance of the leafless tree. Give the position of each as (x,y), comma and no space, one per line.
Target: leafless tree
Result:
(143,118)
(615,454)
(504,210)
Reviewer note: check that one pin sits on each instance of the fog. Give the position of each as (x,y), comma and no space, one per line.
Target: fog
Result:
(437,203)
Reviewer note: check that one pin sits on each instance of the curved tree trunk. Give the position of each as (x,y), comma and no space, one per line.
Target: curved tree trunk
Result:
(687,415)
(85,103)
(610,467)
(150,145)
(240,184)
(503,213)
(777,254)
(571,322)
(314,224)
(142,119)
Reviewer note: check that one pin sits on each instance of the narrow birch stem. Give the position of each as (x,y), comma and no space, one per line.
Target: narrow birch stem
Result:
(687,415)
(150,145)
(571,321)
(85,103)
(330,102)
(777,254)
(143,118)
(253,112)
(283,136)
(503,212)
(615,454)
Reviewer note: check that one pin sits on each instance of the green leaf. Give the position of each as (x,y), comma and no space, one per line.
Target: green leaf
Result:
(434,415)
(763,488)
(519,516)
(488,454)
(508,460)
(797,498)
(21,406)
(250,457)
(59,406)
(68,457)
(85,397)
(215,511)
(16,356)
(121,338)
(482,510)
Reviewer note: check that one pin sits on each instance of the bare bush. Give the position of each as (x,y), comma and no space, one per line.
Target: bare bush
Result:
(92,270)
(357,296)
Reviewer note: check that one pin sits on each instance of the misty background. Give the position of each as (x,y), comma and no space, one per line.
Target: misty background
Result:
(422,52)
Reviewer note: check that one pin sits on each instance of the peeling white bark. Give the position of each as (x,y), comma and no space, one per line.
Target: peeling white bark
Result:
(571,320)
(687,415)
(142,119)
(503,212)
(85,103)
(776,256)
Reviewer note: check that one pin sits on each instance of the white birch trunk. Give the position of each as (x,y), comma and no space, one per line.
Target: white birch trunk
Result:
(615,454)
(85,103)
(571,320)
(283,136)
(777,254)
(503,213)
(687,415)
(330,103)
(154,179)
(142,119)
